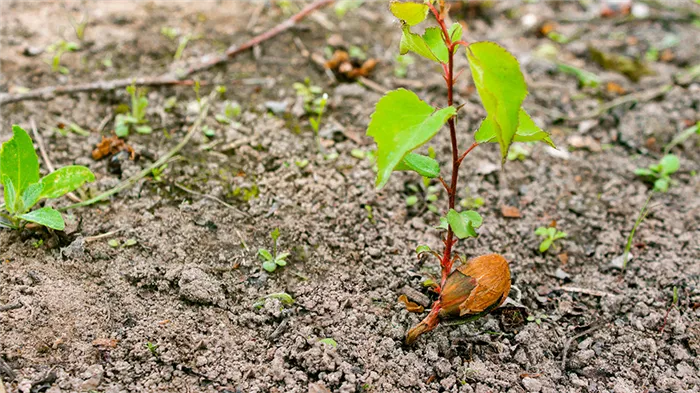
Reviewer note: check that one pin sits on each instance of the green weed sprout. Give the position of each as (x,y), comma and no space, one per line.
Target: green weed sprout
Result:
(660,174)
(549,234)
(23,189)
(58,49)
(136,120)
(272,259)
(402,123)
(640,217)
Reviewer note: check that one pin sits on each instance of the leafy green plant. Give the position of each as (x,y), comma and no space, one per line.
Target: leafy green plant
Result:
(550,234)
(136,120)
(23,189)
(152,348)
(402,123)
(58,49)
(272,259)
(660,174)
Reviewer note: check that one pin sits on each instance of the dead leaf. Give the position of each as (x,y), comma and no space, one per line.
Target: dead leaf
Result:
(563,258)
(615,88)
(510,211)
(110,146)
(667,56)
(411,306)
(104,343)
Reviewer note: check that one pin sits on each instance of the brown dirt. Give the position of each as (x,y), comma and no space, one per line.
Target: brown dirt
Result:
(192,283)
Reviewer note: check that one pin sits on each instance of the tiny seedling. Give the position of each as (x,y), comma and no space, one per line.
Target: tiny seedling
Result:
(311,96)
(152,348)
(285,298)
(683,136)
(230,112)
(674,304)
(402,123)
(550,234)
(536,319)
(23,189)
(136,120)
(518,152)
(79,27)
(642,215)
(328,341)
(58,49)
(660,174)
(272,259)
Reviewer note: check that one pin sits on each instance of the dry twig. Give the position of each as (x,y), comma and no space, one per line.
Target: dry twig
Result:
(44,156)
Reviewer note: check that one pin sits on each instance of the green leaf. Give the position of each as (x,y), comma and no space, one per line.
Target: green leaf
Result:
(31,196)
(65,180)
(422,248)
(284,297)
(9,193)
(47,217)
(275,234)
(265,255)
(661,184)
(328,341)
(455,32)
(546,243)
(430,45)
(541,231)
(270,266)
(585,78)
(669,164)
(473,217)
(411,200)
(527,131)
(501,87)
(644,172)
(19,161)
(410,13)
(560,235)
(144,129)
(280,262)
(423,165)
(462,228)
(121,126)
(401,123)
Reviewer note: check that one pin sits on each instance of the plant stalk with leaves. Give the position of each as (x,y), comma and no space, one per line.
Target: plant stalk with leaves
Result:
(402,122)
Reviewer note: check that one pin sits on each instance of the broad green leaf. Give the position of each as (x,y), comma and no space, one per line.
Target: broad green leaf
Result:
(669,164)
(47,217)
(430,45)
(462,228)
(434,39)
(422,248)
(546,243)
(19,161)
(401,123)
(265,255)
(31,196)
(423,165)
(473,217)
(411,13)
(270,266)
(65,180)
(10,194)
(501,87)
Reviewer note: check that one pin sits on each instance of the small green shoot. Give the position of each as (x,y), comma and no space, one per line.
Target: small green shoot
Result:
(136,120)
(311,96)
(585,78)
(285,298)
(272,259)
(58,49)
(683,136)
(328,341)
(152,348)
(549,234)
(19,173)
(537,319)
(642,215)
(370,215)
(79,27)
(660,174)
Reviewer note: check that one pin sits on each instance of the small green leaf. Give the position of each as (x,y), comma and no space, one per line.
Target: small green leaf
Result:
(401,123)
(328,341)
(144,129)
(270,266)
(529,132)
(130,242)
(411,13)
(455,32)
(411,200)
(275,234)
(423,248)
(114,243)
(541,231)
(423,165)
(19,161)
(501,87)
(284,297)
(47,217)
(669,164)
(10,194)
(65,180)
(458,225)
(31,196)
(546,243)
(430,45)
(265,255)
(661,184)
(644,172)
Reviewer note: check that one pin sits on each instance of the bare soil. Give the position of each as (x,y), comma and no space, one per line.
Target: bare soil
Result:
(184,309)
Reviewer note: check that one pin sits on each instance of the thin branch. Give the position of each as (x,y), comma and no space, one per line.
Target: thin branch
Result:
(461,158)
(444,184)
(44,156)
(50,92)
(207,196)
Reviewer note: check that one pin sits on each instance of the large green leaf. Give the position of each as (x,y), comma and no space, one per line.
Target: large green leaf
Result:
(400,123)
(424,166)
(47,217)
(501,87)
(411,13)
(527,131)
(19,161)
(65,180)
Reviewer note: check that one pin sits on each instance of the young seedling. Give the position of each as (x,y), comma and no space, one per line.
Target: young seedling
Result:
(402,122)
(272,259)
(549,234)
(231,111)
(23,189)
(58,49)
(660,174)
(136,120)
